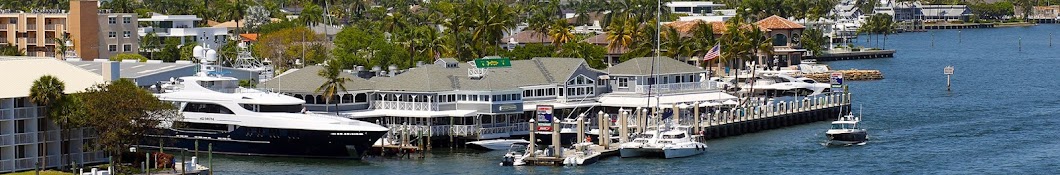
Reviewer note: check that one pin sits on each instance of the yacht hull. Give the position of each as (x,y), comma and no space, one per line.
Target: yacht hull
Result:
(272,142)
(848,137)
(669,153)
(566,139)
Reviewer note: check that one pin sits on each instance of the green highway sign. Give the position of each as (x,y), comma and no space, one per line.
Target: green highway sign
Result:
(493,62)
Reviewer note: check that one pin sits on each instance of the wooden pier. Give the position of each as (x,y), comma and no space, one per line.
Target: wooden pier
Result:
(854,55)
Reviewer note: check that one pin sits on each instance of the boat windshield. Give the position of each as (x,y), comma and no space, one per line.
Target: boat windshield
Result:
(644,136)
(295,108)
(842,126)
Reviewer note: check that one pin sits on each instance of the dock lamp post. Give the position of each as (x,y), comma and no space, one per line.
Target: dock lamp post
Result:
(949,72)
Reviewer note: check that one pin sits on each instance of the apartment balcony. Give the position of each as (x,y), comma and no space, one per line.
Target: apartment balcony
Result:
(31,27)
(4,40)
(3,26)
(25,113)
(7,165)
(25,138)
(49,41)
(8,139)
(7,114)
(31,40)
(49,27)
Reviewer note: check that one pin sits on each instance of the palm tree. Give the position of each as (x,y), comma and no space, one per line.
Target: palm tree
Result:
(704,40)
(490,24)
(433,44)
(561,33)
(61,48)
(334,83)
(11,50)
(675,45)
(619,36)
(45,91)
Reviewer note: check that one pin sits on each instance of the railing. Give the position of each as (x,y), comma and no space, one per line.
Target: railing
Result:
(25,113)
(25,138)
(3,26)
(49,27)
(25,163)
(31,27)
(3,40)
(31,40)
(7,140)
(400,105)
(93,157)
(49,41)
(675,87)
(49,135)
(7,115)
(7,165)
(464,130)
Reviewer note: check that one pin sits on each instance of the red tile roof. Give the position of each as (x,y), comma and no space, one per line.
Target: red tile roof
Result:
(776,22)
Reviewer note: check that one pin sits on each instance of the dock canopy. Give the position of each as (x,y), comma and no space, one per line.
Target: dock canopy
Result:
(667,100)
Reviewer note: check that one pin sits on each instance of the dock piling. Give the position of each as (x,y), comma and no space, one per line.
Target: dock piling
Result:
(581,128)
(557,148)
(623,127)
(533,140)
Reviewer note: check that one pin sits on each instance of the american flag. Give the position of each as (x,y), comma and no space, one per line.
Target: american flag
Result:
(713,53)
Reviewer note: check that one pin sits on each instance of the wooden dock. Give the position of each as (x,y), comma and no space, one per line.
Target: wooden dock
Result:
(837,55)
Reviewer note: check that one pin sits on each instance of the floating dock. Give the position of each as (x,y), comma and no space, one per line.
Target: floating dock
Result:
(854,55)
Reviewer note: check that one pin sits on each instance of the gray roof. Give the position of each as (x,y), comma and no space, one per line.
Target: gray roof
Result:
(434,78)
(306,80)
(642,66)
(134,70)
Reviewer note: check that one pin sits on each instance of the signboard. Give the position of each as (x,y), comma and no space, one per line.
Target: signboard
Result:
(544,113)
(836,78)
(837,81)
(544,128)
(493,62)
(948,70)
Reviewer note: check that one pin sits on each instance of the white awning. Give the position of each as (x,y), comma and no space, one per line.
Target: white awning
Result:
(666,100)
(557,105)
(407,113)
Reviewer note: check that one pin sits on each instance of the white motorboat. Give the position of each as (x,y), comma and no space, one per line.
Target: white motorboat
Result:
(846,131)
(495,144)
(671,143)
(516,153)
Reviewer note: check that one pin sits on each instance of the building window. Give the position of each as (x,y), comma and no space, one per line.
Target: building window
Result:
(126,48)
(112,48)
(623,82)
(126,20)
(112,20)
(112,34)
(126,34)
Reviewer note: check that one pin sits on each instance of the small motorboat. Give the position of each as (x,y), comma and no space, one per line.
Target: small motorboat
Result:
(496,144)
(846,131)
(515,154)
(668,143)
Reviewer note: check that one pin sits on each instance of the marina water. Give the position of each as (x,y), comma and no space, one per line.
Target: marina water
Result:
(1002,116)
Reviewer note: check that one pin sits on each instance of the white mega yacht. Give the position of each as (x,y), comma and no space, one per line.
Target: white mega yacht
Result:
(244,121)
(666,143)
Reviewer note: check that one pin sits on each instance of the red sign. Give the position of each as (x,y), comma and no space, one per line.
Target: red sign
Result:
(544,128)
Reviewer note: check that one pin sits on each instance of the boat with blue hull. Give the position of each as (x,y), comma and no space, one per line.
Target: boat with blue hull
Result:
(243,121)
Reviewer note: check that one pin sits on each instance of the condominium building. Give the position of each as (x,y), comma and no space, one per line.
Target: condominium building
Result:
(94,33)
(183,27)
(27,138)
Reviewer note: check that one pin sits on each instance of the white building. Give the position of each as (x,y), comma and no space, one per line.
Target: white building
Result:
(693,7)
(184,26)
(25,134)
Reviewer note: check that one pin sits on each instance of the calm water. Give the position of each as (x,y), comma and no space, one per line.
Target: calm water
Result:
(1003,116)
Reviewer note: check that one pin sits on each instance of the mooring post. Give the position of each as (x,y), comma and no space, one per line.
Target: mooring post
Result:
(695,116)
(533,140)
(605,131)
(556,146)
(580,128)
(209,157)
(623,127)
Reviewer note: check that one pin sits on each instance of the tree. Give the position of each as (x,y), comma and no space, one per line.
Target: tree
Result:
(591,53)
(129,56)
(529,51)
(11,50)
(312,14)
(284,46)
(619,36)
(44,92)
(257,16)
(703,33)
(813,41)
(150,44)
(121,6)
(676,46)
(560,32)
(122,114)
(334,83)
(61,48)
(67,113)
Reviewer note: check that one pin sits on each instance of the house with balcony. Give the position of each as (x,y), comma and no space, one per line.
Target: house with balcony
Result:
(786,34)
(36,31)
(183,26)
(25,134)
(647,83)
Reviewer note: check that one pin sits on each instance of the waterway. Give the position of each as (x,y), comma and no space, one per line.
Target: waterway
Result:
(1002,116)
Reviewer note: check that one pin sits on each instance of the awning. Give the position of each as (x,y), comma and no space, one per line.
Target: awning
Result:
(557,105)
(407,113)
(665,100)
